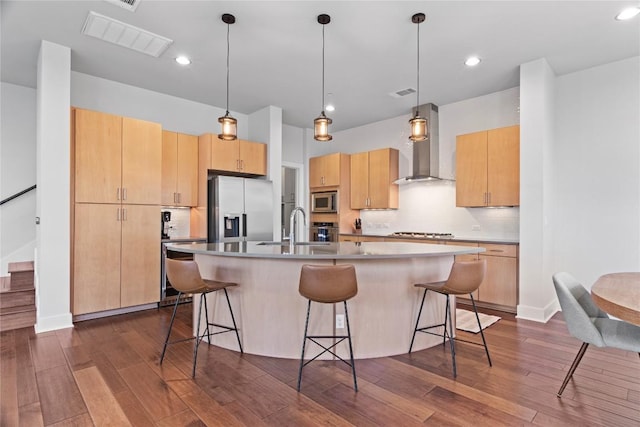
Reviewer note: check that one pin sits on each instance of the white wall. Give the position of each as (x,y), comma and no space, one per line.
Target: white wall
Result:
(537,298)
(174,114)
(292,144)
(53,237)
(430,206)
(596,193)
(17,172)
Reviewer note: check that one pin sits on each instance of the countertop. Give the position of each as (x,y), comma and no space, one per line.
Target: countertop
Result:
(320,250)
(184,239)
(497,240)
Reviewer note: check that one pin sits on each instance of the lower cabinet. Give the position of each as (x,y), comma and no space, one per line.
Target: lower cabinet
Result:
(116,256)
(499,289)
(358,239)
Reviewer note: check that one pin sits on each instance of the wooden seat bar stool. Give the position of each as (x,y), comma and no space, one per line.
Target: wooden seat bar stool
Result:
(328,284)
(185,278)
(465,278)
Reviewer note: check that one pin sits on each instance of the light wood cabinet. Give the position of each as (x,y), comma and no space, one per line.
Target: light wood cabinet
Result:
(488,168)
(116,256)
(359,239)
(117,159)
(325,171)
(179,169)
(499,289)
(239,156)
(373,174)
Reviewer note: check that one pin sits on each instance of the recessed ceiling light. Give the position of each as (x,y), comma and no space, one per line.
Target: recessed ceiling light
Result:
(628,13)
(472,61)
(183,60)
(330,107)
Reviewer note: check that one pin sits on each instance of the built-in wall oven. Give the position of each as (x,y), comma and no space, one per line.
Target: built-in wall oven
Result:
(168,294)
(324,232)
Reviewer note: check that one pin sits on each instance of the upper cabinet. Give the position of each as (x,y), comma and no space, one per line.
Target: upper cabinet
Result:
(239,156)
(179,169)
(372,179)
(488,168)
(325,171)
(117,159)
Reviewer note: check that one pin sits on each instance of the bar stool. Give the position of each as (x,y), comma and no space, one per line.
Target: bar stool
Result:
(465,277)
(185,277)
(328,284)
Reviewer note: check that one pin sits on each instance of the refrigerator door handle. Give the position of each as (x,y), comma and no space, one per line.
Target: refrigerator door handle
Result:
(244,225)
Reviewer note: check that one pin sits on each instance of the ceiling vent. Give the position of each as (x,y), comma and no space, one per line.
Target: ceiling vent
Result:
(130,5)
(125,35)
(403,92)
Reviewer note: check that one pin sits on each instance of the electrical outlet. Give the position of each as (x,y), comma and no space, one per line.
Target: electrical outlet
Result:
(339,321)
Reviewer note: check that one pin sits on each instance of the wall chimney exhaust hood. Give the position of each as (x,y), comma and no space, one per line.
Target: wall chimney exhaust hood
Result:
(426,156)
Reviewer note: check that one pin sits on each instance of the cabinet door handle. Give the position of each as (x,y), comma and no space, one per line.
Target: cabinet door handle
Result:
(489,202)
(124,214)
(496,250)
(124,193)
(118,194)
(179,197)
(118,214)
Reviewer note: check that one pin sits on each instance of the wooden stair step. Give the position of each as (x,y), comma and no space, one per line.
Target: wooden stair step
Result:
(17,320)
(17,298)
(16,267)
(21,275)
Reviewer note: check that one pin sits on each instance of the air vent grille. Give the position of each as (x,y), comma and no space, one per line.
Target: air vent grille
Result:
(125,4)
(403,92)
(125,35)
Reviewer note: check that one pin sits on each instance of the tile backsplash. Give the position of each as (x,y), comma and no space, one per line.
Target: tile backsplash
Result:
(179,226)
(431,207)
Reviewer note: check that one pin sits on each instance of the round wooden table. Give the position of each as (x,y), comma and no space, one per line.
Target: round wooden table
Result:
(619,295)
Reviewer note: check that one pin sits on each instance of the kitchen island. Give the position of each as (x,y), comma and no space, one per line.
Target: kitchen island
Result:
(270,312)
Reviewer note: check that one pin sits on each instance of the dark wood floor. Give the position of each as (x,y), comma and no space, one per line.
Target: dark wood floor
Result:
(106,372)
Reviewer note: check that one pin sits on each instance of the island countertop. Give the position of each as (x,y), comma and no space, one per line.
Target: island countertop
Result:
(324,250)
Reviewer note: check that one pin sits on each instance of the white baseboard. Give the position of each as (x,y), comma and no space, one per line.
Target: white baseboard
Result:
(53,323)
(538,314)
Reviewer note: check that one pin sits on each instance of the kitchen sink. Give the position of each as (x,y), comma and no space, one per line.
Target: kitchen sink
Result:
(296,244)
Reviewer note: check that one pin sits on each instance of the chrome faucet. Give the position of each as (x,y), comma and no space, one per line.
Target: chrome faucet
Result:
(292,223)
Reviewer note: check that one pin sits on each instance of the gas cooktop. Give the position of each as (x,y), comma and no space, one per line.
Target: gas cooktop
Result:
(424,235)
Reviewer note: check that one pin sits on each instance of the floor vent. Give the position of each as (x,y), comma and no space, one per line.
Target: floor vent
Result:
(130,5)
(125,35)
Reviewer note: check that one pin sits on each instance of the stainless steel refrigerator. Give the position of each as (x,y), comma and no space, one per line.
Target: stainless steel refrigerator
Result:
(239,209)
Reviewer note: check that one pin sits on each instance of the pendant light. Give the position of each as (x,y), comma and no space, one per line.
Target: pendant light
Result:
(321,124)
(418,124)
(229,124)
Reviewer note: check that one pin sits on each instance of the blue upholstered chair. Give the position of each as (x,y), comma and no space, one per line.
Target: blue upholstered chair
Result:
(589,324)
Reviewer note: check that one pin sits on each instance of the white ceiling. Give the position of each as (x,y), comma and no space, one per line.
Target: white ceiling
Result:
(370,49)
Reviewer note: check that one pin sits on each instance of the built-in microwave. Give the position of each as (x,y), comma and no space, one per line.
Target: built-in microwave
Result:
(324,202)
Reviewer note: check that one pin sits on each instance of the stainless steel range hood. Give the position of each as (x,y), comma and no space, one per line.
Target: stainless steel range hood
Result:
(426,156)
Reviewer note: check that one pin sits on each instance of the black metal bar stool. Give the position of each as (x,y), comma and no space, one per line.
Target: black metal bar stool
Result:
(185,277)
(465,277)
(328,284)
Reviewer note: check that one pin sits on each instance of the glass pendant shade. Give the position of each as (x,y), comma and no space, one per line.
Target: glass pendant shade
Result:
(418,129)
(321,128)
(229,128)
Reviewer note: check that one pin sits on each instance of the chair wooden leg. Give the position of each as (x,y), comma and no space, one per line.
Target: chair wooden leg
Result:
(304,342)
(475,309)
(173,316)
(573,367)
(417,320)
(451,340)
(353,365)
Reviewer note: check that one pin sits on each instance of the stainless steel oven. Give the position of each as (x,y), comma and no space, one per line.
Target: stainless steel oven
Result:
(324,202)
(324,232)
(168,294)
